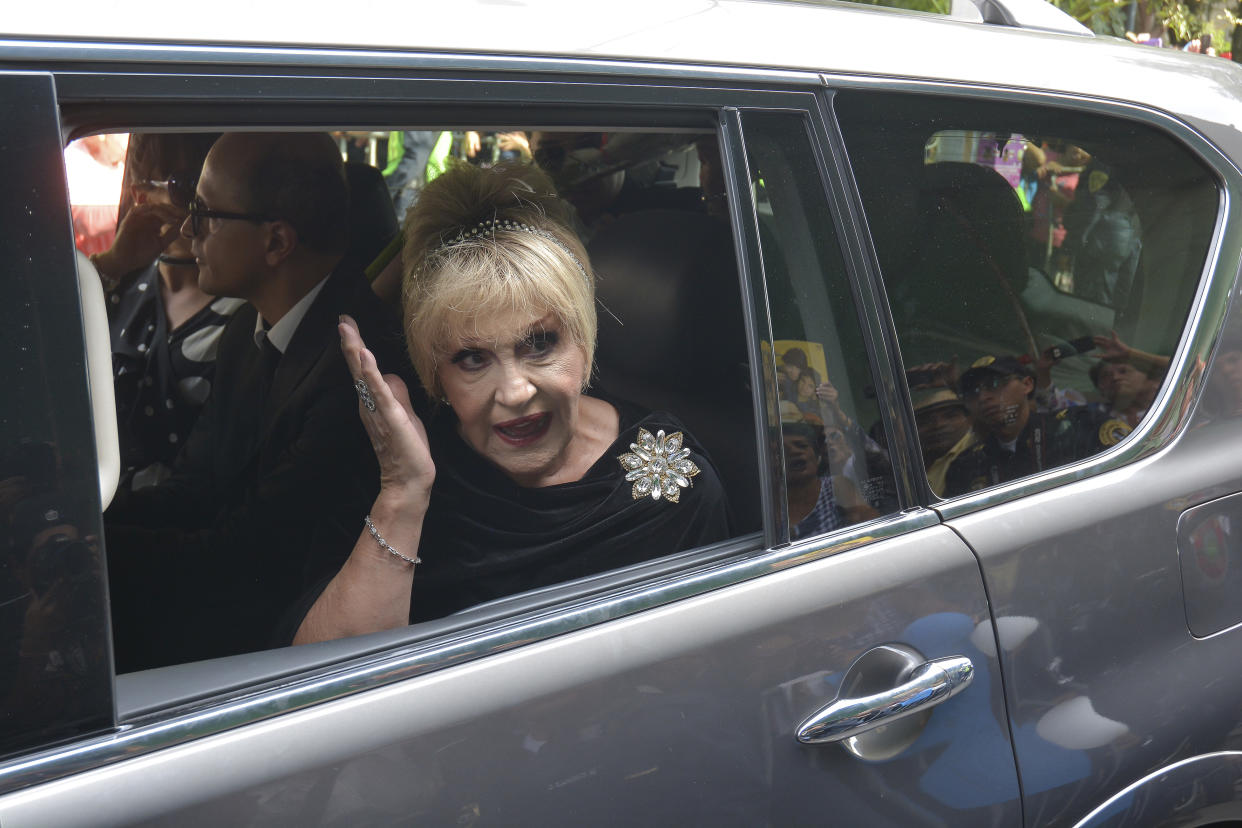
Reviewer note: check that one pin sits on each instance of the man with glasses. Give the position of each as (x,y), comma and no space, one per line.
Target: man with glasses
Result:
(269,493)
(1017,439)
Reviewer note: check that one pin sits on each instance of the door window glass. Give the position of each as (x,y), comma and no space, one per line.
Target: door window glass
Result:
(836,468)
(1040,266)
(243,442)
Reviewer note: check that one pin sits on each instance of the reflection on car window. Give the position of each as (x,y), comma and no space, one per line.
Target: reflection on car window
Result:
(1084,234)
(245,441)
(836,467)
(1039,275)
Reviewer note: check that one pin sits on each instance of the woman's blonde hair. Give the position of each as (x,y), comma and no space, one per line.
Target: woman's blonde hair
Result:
(481,242)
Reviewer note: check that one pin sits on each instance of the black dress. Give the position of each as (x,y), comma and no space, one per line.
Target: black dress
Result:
(485,536)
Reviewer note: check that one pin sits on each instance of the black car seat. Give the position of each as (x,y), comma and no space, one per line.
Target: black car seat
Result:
(965,268)
(672,336)
(372,217)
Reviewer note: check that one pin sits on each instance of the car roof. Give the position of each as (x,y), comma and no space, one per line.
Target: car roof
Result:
(829,37)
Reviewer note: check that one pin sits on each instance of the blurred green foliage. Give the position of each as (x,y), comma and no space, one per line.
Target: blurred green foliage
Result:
(933,6)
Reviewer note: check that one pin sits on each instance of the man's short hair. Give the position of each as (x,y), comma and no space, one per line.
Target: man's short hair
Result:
(300,178)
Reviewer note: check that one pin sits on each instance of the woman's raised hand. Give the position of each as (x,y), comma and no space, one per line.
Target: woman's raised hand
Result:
(397,435)
(144,233)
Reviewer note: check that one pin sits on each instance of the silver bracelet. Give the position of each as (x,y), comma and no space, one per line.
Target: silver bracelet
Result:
(384,544)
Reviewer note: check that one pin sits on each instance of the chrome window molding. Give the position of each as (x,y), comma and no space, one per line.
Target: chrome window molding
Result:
(1174,406)
(377,670)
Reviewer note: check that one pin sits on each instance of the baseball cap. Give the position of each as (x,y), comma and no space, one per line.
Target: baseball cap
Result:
(1003,366)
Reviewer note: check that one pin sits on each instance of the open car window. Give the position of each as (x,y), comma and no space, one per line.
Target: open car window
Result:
(201,546)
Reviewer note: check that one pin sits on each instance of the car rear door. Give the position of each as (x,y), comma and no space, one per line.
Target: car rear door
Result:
(672,698)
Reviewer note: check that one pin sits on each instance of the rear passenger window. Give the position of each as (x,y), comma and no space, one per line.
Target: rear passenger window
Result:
(1040,265)
(837,470)
(247,473)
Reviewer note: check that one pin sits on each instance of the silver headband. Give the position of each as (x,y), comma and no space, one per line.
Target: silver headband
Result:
(492,225)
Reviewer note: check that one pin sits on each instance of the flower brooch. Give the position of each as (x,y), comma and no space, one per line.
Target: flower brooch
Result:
(658,466)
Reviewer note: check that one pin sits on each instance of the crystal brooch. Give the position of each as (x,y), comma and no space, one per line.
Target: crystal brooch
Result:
(658,466)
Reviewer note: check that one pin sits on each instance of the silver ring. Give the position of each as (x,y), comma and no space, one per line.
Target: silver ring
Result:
(364,394)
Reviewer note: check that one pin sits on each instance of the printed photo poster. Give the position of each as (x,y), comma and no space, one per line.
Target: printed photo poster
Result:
(799,363)
(801,366)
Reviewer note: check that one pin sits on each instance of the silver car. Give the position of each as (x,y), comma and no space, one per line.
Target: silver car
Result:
(1032,617)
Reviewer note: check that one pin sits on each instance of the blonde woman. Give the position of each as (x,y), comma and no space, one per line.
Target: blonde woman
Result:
(520,478)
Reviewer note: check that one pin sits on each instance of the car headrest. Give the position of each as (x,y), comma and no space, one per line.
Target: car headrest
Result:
(669,296)
(983,205)
(967,262)
(372,217)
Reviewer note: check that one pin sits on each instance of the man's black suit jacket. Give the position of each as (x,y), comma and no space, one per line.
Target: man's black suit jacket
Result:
(263,501)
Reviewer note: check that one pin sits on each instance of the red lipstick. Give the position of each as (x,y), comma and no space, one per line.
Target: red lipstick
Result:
(524,430)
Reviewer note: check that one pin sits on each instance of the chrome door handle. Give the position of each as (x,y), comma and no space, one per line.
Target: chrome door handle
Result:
(928,685)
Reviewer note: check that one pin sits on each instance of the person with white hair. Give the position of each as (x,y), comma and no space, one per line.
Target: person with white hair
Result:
(520,479)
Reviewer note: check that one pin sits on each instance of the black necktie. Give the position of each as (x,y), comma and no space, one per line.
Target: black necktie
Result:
(265,369)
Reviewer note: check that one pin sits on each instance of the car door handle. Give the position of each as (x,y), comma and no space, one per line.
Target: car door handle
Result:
(929,684)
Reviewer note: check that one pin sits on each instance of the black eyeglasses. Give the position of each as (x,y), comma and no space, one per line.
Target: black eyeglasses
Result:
(989,383)
(199,211)
(180,187)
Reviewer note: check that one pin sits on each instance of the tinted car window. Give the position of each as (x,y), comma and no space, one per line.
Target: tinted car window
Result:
(55,677)
(836,467)
(1040,266)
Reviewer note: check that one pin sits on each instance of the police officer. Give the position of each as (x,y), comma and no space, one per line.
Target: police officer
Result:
(1016,439)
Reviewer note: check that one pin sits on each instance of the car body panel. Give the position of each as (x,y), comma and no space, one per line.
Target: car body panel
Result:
(1106,682)
(681,715)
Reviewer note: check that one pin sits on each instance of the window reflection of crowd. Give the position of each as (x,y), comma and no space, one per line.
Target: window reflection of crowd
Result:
(836,474)
(1003,419)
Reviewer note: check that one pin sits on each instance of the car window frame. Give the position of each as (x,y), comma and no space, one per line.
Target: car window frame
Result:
(338,669)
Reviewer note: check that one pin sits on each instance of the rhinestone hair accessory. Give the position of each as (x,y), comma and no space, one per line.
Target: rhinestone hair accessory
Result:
(492,225)
(658,466)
